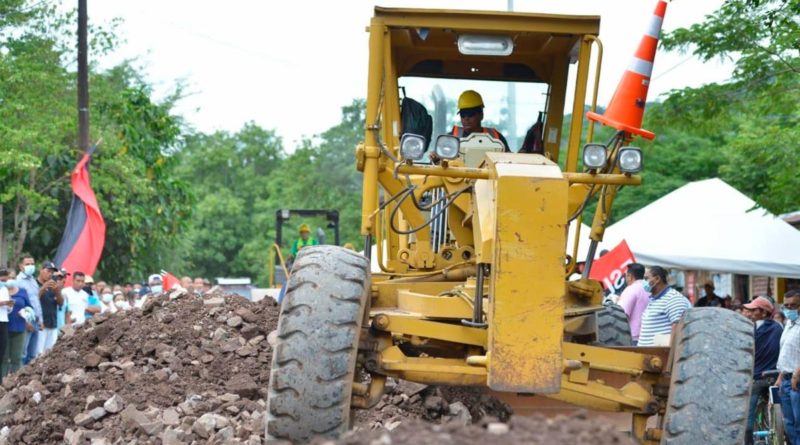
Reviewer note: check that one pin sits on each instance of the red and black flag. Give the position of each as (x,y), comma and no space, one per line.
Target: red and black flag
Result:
(85,234)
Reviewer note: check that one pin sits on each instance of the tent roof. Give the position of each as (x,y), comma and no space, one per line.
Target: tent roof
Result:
(709,225)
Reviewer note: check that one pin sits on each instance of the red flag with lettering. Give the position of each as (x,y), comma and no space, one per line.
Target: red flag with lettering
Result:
(85,235)
(610,268)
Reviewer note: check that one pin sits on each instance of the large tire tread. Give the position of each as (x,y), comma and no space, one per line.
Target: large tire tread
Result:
(314,359)
(711,379)
(613,328)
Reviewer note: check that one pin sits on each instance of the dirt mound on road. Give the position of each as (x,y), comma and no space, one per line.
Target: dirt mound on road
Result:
(187,369)
(535,430)
(180,369)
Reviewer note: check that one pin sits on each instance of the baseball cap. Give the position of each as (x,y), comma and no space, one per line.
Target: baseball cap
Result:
(760,303)
(49,265)
(154,278)
(88,280)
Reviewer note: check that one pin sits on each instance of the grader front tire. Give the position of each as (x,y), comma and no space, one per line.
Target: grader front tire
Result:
(314,359)
(711,379)
(613,328)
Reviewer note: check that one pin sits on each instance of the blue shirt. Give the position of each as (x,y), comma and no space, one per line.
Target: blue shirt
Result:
(31,287)
(93,301)
(768,347)
(15,321)
(61,315)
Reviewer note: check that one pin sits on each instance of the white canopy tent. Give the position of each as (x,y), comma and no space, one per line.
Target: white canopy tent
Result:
(709,225)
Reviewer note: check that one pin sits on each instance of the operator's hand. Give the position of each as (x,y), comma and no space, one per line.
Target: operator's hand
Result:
(28,327)
(795,380)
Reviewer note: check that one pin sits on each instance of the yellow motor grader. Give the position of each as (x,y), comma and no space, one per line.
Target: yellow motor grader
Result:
(474,282)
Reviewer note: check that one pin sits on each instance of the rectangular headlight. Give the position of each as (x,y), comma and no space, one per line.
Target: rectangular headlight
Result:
(595,156)
(485,45)
(630,159)
(447,146)
(412,146)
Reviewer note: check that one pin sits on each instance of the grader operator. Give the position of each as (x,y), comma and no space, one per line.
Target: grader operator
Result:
(473,285)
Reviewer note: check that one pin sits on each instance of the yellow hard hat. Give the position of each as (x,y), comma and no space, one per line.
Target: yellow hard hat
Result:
(469,99)
(304,228)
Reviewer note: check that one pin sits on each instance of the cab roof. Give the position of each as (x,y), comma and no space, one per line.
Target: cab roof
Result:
(424,42)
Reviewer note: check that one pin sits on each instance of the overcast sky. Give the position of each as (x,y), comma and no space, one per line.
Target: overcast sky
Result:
(292,65)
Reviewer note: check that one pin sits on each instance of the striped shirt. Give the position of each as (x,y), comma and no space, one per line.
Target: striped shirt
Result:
(789,357)
(664,310)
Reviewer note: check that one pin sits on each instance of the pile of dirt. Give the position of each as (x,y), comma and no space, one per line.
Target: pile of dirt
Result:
(435,404)
(533,430)
(181,369)
(194,370)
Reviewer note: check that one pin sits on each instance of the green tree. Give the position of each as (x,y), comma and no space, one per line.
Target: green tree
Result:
(132,172)
(231,224)
(753,117)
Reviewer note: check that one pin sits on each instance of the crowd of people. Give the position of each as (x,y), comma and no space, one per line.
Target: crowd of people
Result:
(654,308)
(37,303)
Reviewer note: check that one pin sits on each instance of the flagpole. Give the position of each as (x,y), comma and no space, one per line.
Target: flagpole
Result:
(83,78)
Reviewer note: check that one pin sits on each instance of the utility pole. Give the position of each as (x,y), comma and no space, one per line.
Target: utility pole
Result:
(83,78)
(511,98)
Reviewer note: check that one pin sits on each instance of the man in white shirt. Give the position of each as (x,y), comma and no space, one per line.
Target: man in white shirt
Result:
(789,367)
(78,300)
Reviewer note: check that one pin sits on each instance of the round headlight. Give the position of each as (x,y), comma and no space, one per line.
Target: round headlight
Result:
(447,146)
(630,159)
(412,146)
(594,156)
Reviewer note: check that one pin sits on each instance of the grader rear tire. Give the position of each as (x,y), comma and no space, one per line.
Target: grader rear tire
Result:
(314,360)
(613,328)
(712,370)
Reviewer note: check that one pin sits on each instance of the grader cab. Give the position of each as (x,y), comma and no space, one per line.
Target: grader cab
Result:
(474,284)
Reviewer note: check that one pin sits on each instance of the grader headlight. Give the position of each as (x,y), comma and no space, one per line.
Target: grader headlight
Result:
(447,146)
(412,147)
(630,159)
(485,45)
(595,156)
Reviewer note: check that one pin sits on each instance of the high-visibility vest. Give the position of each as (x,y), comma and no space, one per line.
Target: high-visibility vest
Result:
(459,132)
(299,243)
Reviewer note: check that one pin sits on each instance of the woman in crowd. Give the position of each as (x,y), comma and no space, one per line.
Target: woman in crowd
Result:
(18,325)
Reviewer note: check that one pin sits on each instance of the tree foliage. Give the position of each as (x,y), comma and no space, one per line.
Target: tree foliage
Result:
(242,179)
(752,118)
(132,172)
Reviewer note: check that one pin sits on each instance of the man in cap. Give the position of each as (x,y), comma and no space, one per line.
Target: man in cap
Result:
(768,347)
(305,239)
(470,108)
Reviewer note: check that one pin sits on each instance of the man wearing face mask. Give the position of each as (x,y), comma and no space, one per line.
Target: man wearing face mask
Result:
(665,309)
(33,285)
(789,367)
(768,344)
(154,288)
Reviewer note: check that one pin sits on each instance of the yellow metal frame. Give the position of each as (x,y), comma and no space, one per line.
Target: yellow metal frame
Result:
(425,325)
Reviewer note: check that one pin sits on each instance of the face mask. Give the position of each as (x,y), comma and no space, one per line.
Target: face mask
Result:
(647,287)
(107,298)
(155,289)
(122,305)
(11,283)
(29,270)
(790,314)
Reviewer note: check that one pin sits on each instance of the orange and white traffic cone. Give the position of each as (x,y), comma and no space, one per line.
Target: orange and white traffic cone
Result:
(626,109)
